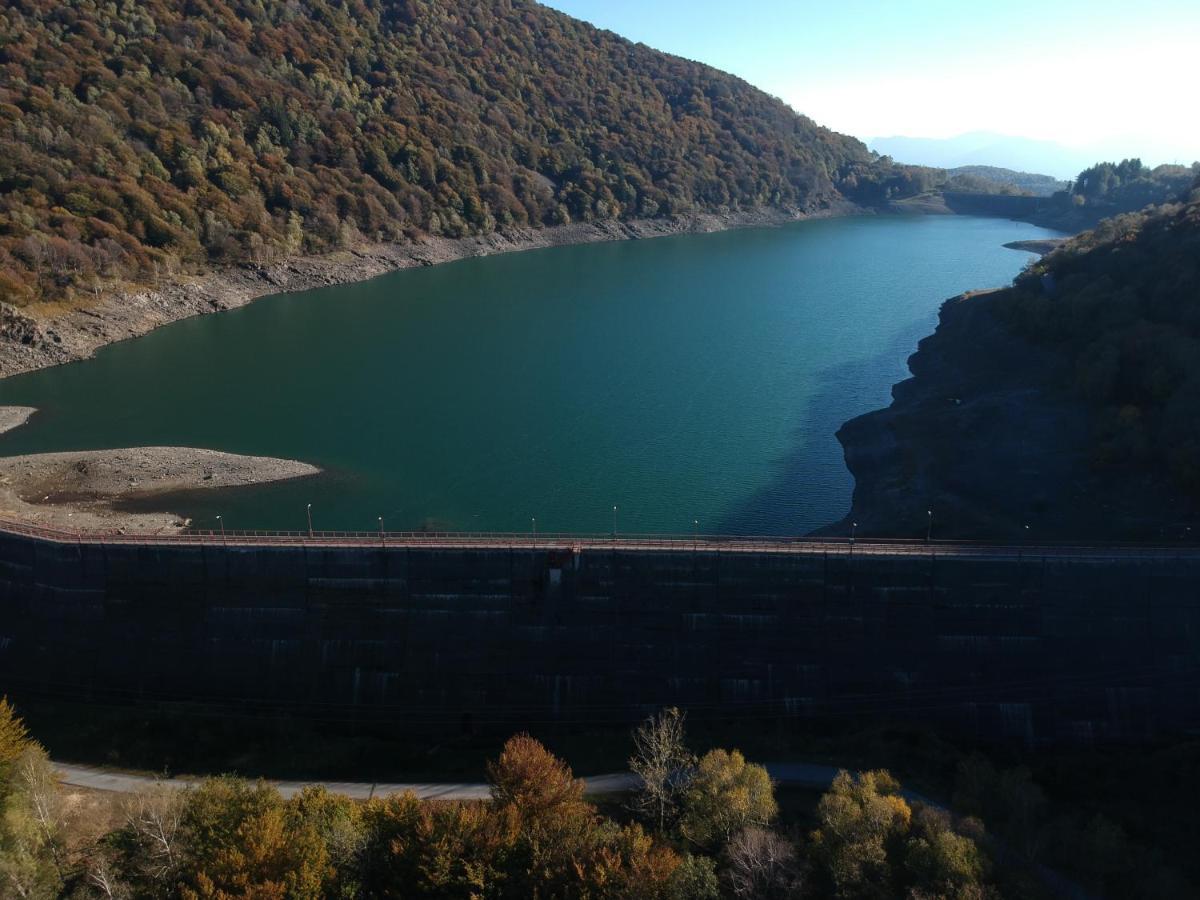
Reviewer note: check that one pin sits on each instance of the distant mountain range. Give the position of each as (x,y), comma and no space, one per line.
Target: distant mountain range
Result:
(983,148)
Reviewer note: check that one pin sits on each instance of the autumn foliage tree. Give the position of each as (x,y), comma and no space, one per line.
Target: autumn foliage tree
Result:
(725,795)
(32,861)
(243,840)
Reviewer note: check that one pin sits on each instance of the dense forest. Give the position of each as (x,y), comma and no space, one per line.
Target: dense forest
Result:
(139,139)
(1122,304)
(1109,189)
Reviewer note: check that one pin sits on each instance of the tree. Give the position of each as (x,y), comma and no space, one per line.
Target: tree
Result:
(556,830)
(14,739)
(31,828)
(534,782)
(761,865)
(725,796)
(943,862)
(437,848)
(663,764)
(863,823)
(696,879)
(148,846)
(338,823)
(1009,801)
(32,854)
(240,841)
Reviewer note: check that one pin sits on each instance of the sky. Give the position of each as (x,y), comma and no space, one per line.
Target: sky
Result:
(1119,78)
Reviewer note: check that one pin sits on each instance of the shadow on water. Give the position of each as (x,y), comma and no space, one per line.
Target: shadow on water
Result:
(795,503)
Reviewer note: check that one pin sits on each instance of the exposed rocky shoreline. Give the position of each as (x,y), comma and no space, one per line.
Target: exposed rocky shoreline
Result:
(34,339)
(83,490)
(14,417)
(1040,246)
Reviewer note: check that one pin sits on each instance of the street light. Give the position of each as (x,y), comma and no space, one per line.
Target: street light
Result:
(695,533)
(853,529)
(381,531)
(614,531)
(309,511)
(929,530)
(533,526)
(221,522)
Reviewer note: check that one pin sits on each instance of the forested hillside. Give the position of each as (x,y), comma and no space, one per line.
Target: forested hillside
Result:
(1122,305)
(1110,189)
(1003,181)
(143,138)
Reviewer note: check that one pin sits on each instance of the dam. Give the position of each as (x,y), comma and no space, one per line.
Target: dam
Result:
(1028,644)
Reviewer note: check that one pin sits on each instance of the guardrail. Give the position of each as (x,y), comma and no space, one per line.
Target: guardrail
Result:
(800,544)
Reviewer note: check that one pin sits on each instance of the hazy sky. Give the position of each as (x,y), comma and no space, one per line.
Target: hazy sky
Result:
(1085,73)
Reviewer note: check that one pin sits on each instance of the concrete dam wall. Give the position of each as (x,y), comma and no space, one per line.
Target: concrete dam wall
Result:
(1000,644)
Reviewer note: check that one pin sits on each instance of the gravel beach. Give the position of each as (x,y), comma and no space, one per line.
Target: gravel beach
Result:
(78,490)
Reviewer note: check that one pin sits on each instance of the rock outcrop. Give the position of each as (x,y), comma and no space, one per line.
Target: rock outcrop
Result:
(983,439)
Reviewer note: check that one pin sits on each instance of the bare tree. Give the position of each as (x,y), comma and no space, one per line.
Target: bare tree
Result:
(762,866)
(663,763)
(39,784)
(103,881)
(153,818)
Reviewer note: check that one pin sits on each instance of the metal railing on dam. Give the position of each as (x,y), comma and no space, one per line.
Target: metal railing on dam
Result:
(657,542)
(1024,642)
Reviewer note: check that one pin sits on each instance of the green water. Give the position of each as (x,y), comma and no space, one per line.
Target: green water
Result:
(698,377)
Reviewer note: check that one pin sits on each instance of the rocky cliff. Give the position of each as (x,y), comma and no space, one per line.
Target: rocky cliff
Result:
(1064,407)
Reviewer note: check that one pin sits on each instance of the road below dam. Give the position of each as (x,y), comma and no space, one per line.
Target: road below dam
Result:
(1031,644)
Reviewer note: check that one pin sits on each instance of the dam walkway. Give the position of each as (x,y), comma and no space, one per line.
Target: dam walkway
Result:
(651,543)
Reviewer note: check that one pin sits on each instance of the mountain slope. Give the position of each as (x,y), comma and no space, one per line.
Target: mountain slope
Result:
(1038,185)
(155,137)
(1067,406)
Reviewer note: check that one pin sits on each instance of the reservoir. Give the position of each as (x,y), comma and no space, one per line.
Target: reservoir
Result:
(689,379)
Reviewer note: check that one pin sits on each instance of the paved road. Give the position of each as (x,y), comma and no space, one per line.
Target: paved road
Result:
(797,774)
(126,783)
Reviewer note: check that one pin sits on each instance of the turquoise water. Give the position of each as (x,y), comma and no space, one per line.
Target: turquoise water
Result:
(698,377)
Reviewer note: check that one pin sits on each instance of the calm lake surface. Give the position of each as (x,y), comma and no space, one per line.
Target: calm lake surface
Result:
(699,377)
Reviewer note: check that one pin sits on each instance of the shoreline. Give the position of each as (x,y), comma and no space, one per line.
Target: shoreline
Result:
(14,416)
(83,490)
(1040,246)
(31,341)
